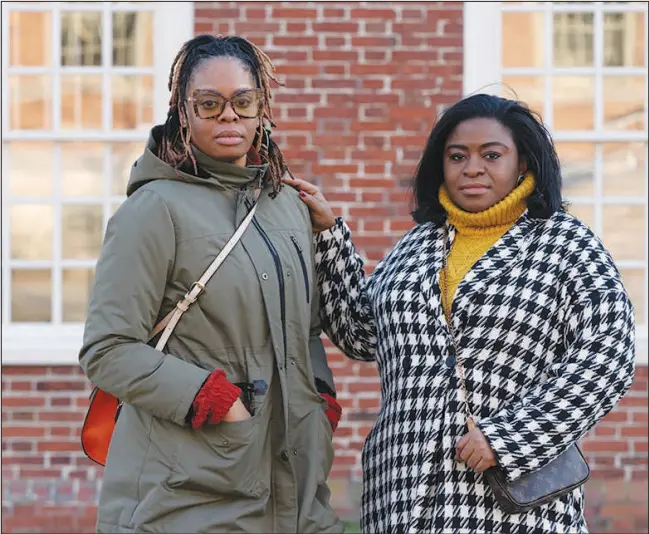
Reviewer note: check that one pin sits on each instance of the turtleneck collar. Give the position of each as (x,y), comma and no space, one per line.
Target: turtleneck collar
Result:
(503,214)
(225,173)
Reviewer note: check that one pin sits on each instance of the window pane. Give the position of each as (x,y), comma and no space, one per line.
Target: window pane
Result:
(30,169)
(528,89)
(81,107)
(31,296)
(31,232)
(30,34)
(522,39)
(577,168)
(81,39)
(584,212)
(123,157)
(624,102)
(30,104)
(132,102)
(133,39)
(624,38)
(623,231)
(573,39)
(82,232)
(624,169)
(77,284)
(82,166)
(573,99)
(633,280)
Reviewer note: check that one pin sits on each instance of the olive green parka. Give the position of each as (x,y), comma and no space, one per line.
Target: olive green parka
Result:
(257,320)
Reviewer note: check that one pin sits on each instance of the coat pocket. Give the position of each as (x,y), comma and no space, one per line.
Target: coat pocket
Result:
(223,460)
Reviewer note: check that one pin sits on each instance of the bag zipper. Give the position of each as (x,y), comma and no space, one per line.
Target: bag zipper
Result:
(298,247)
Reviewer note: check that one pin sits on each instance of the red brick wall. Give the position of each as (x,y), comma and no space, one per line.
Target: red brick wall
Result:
(49,486)
(363,85)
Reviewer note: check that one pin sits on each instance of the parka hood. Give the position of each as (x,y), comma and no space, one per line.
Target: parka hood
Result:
(149,167)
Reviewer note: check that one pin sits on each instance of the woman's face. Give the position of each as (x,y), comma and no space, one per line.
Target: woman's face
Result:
(225,137)
(481,164)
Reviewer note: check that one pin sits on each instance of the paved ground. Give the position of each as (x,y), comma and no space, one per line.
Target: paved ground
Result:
(352,527)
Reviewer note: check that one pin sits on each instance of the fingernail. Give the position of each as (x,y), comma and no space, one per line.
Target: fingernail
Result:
(302,194)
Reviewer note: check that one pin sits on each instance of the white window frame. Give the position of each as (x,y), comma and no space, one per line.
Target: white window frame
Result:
(173,24)
(483,72)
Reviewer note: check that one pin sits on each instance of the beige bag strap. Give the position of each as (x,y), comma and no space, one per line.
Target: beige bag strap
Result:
(169,322)
(448,304)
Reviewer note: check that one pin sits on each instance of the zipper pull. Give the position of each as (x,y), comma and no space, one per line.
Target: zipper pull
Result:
(297,244)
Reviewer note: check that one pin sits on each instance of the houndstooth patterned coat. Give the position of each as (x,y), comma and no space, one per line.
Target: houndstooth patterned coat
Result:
(546,332)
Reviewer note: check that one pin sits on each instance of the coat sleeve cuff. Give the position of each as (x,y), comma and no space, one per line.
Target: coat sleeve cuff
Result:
(194,378)
(322,387)
(337,233)
(495,432)
(214,400)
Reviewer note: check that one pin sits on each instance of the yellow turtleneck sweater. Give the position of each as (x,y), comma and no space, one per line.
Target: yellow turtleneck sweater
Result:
(476,233)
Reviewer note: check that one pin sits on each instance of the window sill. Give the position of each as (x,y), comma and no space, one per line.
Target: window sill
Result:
(37,344)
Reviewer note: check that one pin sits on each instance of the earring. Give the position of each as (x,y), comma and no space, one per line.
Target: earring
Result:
(520,179)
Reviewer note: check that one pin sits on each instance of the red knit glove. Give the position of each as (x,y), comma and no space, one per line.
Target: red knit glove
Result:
(214,399)
(334,410)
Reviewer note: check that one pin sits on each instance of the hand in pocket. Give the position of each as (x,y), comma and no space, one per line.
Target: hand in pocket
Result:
(238,412)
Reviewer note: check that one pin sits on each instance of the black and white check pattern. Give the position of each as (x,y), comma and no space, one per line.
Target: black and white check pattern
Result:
(546,332)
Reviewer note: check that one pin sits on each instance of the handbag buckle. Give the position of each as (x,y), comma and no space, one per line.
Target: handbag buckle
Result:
(200,287)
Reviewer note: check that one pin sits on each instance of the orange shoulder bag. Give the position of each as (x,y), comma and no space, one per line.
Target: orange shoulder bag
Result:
(101,418)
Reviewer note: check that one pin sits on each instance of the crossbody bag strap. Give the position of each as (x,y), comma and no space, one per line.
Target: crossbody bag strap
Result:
(448,304)
(169,322)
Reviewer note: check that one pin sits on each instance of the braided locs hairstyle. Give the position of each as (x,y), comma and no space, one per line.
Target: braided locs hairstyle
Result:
(175,147)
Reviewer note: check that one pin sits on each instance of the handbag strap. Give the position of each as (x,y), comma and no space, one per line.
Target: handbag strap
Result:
(448,303)
(169,322)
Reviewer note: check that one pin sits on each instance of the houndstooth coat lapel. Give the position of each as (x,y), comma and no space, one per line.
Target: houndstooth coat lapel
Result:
(500,259)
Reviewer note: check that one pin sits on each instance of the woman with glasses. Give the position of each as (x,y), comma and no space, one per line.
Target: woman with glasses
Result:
(500,326)
(230,427)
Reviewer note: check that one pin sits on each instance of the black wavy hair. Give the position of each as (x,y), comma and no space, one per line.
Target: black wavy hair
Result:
(533,142)
(175,146)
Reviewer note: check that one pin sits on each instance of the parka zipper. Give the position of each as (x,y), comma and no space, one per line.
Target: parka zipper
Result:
(280,275)
(298,247)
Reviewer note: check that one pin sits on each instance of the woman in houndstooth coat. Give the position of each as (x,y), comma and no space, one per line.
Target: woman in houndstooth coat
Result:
(543,327)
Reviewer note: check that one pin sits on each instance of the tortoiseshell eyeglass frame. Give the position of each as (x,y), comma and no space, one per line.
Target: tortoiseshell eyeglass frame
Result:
(201,92)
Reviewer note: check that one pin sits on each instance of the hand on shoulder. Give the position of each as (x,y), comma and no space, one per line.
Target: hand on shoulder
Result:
(322,216)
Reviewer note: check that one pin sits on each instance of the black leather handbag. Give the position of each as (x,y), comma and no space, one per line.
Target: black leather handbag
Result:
(562,475)
(566,472)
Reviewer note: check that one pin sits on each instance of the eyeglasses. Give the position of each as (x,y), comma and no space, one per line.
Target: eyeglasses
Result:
(208,104)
